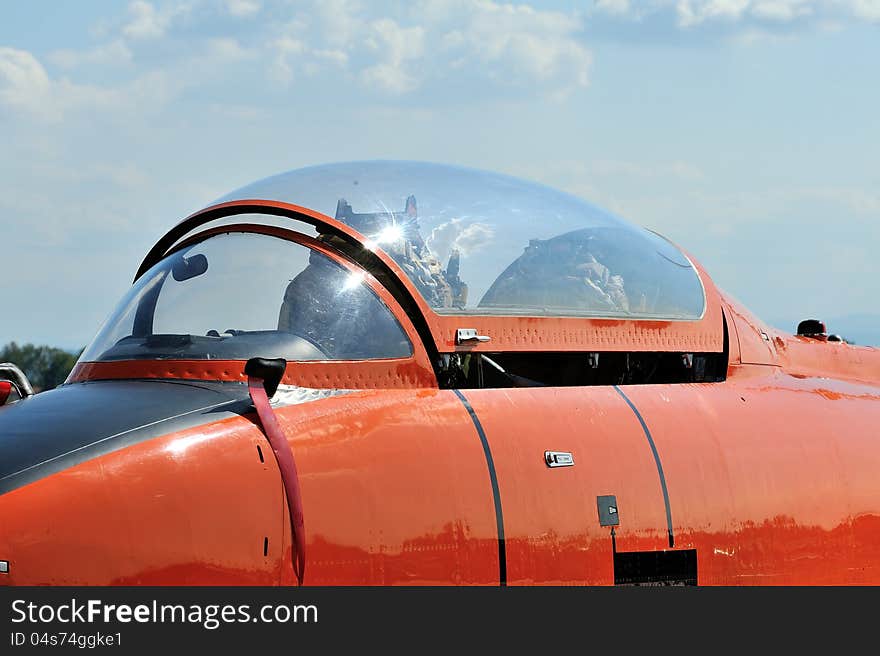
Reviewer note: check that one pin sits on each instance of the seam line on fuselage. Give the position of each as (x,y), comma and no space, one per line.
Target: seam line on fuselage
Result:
(496,493)
(656,461)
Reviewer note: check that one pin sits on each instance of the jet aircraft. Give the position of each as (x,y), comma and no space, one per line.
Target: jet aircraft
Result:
(399,373)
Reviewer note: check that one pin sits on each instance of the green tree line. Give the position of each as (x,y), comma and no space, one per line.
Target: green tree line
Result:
(45,366)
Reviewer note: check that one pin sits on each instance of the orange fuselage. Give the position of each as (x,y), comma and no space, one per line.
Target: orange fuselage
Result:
(771,477)
(158,471)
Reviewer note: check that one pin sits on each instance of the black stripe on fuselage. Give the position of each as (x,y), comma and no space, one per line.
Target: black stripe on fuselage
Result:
(496,494)
(657,462)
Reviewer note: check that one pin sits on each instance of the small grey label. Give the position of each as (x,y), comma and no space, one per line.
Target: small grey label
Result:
(609,514)
(4,566)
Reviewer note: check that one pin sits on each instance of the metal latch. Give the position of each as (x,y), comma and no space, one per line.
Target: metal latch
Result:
(558,459)
(469,335)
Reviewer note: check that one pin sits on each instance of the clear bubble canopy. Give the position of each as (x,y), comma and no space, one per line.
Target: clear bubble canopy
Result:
(474,242)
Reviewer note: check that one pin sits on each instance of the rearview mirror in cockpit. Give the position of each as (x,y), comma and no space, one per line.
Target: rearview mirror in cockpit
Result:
(189,267)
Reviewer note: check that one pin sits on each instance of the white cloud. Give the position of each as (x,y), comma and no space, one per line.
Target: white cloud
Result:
(242,8)
(26,87)
(456,234)
(390,48)
(114,53)
(404,48)
(322,60)
(337,57)
(398,51)
(290,45)
(311,41)
(690,14)
(694,12)
(228,49)
(146,22)
(536,42)
(782,10)
(285,48)
(619,7)
(24,83)
(513,44)
(340,23)
(395,47)
(866,9)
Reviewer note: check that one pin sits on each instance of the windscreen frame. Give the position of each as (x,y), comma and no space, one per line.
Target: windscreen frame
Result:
(415,370)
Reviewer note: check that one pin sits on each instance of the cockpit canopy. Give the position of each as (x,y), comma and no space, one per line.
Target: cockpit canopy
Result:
(469,242)
(237,295)
(480,243)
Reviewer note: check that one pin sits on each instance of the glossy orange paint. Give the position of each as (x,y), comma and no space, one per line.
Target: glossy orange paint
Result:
(757,343)
(395,490)
(196,507)
(550,517)
(772,478)
(751,337)
(771,474)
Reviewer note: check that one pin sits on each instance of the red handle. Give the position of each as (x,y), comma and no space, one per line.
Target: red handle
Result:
(287,466)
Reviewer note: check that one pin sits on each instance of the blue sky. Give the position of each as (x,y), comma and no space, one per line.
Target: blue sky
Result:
(748,131)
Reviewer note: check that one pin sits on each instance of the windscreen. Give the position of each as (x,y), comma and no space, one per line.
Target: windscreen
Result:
(474,242)
(240,295)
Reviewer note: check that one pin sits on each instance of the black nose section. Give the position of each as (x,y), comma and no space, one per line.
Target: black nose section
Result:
(57,429)
(270,370)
